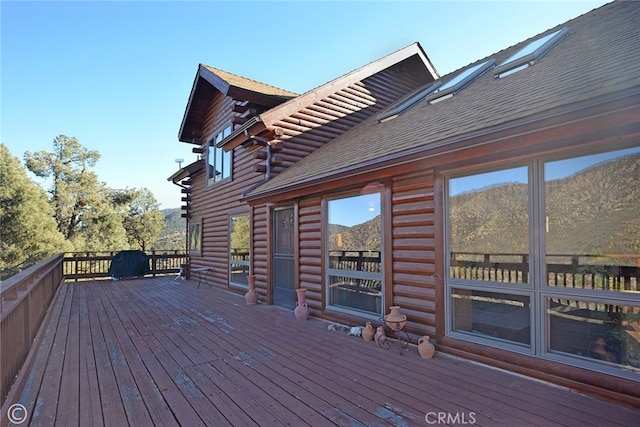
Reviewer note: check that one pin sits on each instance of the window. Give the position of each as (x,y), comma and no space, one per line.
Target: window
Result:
(529,54)
(239,249)
(195,237)
(408,101)
(488,255)
(555,240)
(457,83)
(218,160)
(435,91)
(354,255)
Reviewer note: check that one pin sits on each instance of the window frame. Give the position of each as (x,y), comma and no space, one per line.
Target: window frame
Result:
(539,290)
(354,274)
(197,226)
(459,81)
(215,154)
(246,262)
(520,60)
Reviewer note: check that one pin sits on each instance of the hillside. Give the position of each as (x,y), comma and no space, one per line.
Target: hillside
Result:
(493,220)
(173,236)
(360,237)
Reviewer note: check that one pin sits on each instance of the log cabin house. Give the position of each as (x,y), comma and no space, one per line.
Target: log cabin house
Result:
(498,205)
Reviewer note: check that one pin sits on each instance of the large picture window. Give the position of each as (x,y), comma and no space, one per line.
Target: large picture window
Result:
(218,160)
(489,226)
(239,249)
(488,255)
(354,254)
(592,247)
(555,240)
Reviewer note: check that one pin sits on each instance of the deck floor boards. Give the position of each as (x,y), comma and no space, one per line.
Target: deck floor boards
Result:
(160,352)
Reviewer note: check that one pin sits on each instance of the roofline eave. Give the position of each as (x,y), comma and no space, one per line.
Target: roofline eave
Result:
(293,105)
(588,111)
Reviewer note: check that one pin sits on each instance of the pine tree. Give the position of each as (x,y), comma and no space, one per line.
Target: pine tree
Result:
(83,209)
(142,218)
(28,231)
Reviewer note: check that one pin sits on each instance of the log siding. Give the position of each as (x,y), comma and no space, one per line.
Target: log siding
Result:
(298,135)
(413,250)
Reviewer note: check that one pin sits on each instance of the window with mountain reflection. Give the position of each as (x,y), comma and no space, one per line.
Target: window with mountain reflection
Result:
(545,259)
(354,254)
(592,221)
(489,227)
(592,229)
(489,251)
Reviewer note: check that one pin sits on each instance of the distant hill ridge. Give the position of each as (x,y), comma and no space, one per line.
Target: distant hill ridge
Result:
(173,236)
(495,219)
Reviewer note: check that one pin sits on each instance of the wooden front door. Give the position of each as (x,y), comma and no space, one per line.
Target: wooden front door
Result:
(283,258)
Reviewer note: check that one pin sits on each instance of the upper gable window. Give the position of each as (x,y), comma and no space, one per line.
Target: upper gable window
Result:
(218,160)
(529,54)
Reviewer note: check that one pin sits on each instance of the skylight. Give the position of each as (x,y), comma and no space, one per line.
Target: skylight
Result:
(460,81)
(436,91)
(529,54)
(408,101)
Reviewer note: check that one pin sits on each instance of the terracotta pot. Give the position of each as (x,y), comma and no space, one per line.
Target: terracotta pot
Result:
(395,320)
(302,310)
(425,348)
(251,297)
(368,332)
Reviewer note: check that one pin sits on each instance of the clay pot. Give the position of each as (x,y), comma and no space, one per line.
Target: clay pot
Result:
(425,348)
(368,332)
(251,297)
(395,320)
(302,310)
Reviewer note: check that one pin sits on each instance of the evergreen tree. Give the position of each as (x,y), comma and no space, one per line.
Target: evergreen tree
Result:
(141,214)
(83,208)
(28,231)
(72,183)
(101,226)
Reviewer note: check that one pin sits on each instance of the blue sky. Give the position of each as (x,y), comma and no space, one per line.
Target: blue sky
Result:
(117,75)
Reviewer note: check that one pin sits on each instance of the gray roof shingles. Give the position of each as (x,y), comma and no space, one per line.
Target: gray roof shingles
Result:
(598,57)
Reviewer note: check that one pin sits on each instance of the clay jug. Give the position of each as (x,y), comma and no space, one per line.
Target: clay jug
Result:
(251,297)
(425,348)
(395,320)
(302,310)
(368,332)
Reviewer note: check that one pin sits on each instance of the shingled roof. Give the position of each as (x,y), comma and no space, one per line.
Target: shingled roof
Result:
(208,80)
(412,56)
(597,58)
(234,80)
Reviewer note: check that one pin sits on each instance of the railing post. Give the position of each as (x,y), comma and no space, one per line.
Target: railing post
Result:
(154,264)
(75,272)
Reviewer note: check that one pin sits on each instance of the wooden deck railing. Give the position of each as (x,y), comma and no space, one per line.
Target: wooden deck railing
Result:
(95,265)
(369,261)
(25,299)
(567,271)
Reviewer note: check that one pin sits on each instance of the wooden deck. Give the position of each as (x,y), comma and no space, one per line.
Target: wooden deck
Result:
(162,352)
